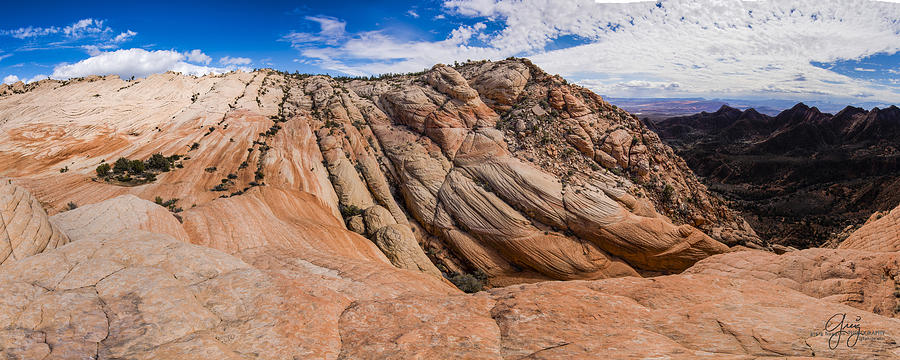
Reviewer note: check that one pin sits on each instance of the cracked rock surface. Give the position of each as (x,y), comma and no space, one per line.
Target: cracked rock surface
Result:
(144,295)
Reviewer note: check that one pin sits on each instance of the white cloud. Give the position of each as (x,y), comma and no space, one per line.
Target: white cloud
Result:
(28,32)
(198,56)
(331,31)
(227,60)
(92,50)
(90,34)
(125,36)
(134,62)
(711,48)
(10,79)
(85,27)
(37,77)
(76,30)
(864,69)
(413,13)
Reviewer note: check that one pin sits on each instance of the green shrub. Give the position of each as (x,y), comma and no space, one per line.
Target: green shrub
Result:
(220,187)
(350,211)
(159,162)
(103,170)
(168,204)
(137,167)
(122,165)
(668,193)
(469,283)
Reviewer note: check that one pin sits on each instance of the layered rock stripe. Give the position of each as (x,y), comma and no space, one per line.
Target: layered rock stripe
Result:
(428,166)
(25,229)
(335,255)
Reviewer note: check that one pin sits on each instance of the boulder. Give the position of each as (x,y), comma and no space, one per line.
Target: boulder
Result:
(119,214)
(25,229)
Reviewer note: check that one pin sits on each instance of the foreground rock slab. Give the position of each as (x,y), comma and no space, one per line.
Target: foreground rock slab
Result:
(146,296)
(865,280)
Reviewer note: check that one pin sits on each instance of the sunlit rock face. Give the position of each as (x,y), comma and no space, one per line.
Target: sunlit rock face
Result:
(494,168)
(312,217)
(25,229)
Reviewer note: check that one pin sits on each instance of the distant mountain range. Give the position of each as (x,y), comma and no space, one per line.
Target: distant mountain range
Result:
(801,177)
(660,108)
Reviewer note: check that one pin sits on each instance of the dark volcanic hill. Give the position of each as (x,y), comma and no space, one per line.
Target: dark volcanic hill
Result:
(802,178)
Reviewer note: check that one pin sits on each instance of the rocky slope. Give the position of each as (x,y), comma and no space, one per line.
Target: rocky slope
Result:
(803,178)
(880,233)
(327,218)
(494,168)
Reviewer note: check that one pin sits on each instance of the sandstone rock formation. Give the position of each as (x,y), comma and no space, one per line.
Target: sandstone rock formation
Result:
(25,229)
(321,218)
(864,280)
(430,167)
(122,213)
(880,233)
(144,295)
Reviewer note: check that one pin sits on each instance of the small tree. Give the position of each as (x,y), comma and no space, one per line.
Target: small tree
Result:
(103,170)
(121,165)
(159,162)
(137,167)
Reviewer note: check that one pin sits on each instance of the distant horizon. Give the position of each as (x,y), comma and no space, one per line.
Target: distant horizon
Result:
(765,106)
(633,104)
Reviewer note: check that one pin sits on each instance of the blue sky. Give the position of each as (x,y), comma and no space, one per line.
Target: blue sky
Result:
(250,29)
(826,50)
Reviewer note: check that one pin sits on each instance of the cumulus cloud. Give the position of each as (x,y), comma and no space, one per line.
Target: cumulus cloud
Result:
(37,77)
(10,79)
(710,48)
(198,56)
(227,60)
(135,62)
(90,34)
